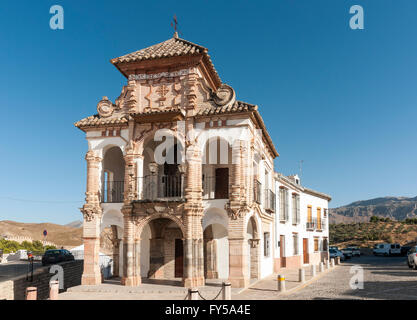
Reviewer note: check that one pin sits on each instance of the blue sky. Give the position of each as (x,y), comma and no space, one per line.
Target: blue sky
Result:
(342,100)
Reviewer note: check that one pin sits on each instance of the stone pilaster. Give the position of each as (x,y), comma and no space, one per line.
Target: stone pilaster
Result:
(193,213)
(128,278)
(91,226)
(238,266)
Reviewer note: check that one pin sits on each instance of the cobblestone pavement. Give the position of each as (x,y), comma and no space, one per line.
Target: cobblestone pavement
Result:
(384,278)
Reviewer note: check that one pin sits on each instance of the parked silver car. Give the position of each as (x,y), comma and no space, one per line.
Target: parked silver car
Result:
(334,253)
(412,258)
(356,252)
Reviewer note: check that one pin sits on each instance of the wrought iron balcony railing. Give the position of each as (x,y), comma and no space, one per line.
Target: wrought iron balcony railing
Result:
(113,191)
(154,187)
(151,187)
(311,224)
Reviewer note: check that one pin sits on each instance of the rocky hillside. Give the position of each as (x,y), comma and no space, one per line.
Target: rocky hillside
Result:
(395,208)
(57,234)
(366,234)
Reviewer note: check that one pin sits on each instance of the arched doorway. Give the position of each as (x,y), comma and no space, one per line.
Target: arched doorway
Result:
(111,235)
(216,252)
(112,188)
(162,252)
(162,171)
(252,235)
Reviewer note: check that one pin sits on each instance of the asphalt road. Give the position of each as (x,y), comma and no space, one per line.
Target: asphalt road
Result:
(383,278)
(16,268)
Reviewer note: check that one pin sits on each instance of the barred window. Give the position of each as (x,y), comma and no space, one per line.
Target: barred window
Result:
(295,208)
(267,244)
(284,204)
(295,244)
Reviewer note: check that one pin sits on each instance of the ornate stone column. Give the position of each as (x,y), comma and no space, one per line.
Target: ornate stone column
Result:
(130,193)
(193,213)
(128,278)
(92,218)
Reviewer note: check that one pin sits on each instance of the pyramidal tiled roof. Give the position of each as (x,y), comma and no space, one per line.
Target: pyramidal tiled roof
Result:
(169,48)
(173,47)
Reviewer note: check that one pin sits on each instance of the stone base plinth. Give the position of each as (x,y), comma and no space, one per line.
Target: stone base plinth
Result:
(239,282)
(90,279)
(131,281)
(193,282)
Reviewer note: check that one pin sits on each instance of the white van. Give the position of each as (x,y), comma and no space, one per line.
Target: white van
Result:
(387,249)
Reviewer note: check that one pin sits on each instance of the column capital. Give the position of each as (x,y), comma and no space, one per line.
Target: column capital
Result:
(91,156)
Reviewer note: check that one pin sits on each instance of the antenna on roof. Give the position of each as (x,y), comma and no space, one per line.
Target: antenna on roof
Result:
(174,24)
(301,168)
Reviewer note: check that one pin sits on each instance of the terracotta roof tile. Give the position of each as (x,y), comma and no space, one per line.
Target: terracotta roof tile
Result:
(169,48)
(96,120)
(238,106)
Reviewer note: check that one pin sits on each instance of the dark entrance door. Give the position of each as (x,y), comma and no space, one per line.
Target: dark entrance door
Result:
(179,258)
(222,183)
(282,250)
(305,250)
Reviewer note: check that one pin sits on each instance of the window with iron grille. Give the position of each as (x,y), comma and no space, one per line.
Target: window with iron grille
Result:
(295,244)
(267,244)
(295,209)
(284,205)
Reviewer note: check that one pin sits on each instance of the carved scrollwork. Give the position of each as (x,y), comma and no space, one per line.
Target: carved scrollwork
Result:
(105,107)
(90,213)
(224,95)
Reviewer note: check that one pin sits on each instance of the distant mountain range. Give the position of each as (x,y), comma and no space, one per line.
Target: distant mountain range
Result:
(395,208)
(75,224)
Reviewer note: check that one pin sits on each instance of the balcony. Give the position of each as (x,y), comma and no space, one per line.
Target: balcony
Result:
(151,188)
(113,192)
(257,187)
(311,224)
(269,200)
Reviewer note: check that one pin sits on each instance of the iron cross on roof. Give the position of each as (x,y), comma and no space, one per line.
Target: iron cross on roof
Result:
(174,24)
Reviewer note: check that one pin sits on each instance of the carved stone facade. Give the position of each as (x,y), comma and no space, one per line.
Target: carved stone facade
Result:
(189,219)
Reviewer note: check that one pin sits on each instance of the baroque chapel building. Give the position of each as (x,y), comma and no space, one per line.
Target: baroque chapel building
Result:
(182,175)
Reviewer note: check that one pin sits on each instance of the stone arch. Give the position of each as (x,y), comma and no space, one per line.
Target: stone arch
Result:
(253,247)
(113,174)
(216,244)
(145,221)
(148,135)
(161,239)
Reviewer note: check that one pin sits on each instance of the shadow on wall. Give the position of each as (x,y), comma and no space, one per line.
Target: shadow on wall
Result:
(15,288)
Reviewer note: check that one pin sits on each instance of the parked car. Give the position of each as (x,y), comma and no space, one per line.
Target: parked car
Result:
(356,252)
(412,258)
(347,252)
(56,256)
(334,253)
(333,247)
(404,250)
(387,249)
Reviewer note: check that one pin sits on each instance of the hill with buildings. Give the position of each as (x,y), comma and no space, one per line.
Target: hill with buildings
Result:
(394,208)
